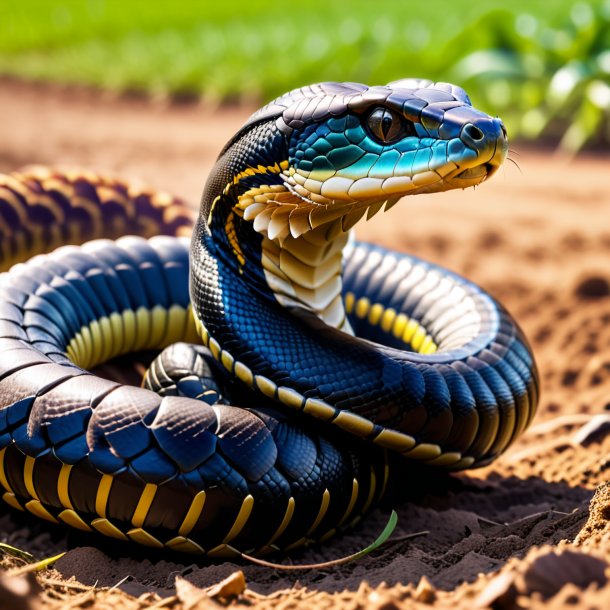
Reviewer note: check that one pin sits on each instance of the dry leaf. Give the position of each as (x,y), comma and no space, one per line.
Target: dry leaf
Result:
(195,598)
(230,587)
(192,597)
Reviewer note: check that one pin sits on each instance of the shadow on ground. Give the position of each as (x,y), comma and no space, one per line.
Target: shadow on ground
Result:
(473,525)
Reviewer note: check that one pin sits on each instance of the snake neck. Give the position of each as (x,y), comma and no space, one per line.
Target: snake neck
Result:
(270,235)
(302,272)
(306,273)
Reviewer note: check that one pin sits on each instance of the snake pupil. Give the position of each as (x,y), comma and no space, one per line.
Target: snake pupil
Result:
(387,126)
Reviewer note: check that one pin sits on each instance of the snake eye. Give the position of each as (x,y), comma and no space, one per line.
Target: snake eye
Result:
(387,126)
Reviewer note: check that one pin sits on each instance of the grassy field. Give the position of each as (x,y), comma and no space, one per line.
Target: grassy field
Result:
(510,60)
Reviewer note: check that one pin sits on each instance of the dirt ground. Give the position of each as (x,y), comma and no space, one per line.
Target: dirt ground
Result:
(530,531)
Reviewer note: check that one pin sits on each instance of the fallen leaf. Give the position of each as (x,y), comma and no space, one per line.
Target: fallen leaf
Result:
(230,587)
(192,597)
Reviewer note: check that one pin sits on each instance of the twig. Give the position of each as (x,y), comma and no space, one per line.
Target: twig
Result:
(406,537)
(77,601)
(53,582)
(118,584)
(544,513)
(563,421)
(382,539)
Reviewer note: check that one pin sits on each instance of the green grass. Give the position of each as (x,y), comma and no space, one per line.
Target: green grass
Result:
(256,50)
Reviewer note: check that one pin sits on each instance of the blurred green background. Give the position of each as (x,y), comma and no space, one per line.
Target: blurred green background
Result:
(543,66)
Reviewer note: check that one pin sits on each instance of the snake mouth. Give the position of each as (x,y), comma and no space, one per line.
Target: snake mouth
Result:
(479,173)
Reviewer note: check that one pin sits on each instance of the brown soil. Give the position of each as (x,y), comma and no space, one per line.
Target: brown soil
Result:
(530,531)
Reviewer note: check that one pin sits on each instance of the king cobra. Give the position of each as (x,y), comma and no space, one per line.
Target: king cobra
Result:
(348,360)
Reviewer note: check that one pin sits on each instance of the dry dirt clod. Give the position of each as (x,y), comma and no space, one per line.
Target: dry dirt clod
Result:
(550,572)
(597,528)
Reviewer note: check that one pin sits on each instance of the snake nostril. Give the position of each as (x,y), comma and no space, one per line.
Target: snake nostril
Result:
(473,132)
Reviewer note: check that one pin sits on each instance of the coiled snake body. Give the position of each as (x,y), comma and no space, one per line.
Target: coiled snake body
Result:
(355,357)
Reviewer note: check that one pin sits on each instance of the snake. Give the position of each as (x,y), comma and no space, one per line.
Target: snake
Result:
(298,373)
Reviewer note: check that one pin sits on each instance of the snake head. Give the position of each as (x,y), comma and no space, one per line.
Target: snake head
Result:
(332,151)
(349,142)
